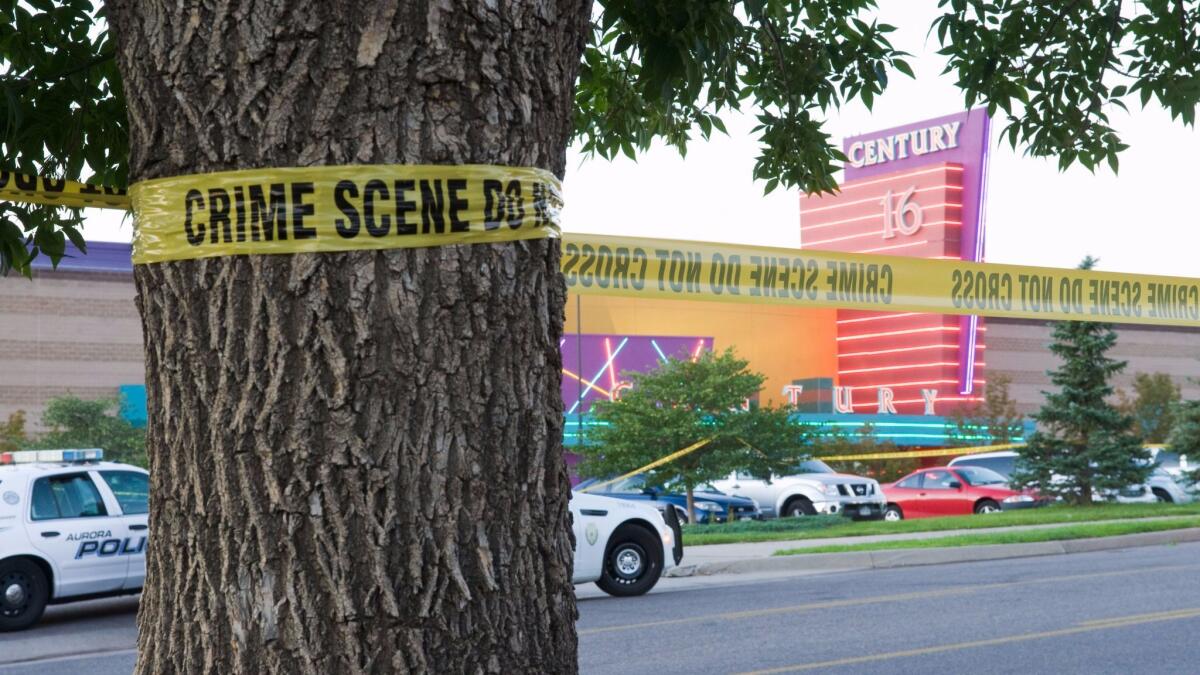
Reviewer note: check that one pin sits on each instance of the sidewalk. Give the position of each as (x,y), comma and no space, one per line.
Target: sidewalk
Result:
(760,556)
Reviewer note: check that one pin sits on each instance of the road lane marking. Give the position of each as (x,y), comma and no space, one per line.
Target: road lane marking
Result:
(878,599)
(1185,613)
(1086,627)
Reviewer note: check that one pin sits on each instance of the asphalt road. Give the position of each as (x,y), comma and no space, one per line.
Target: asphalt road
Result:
(1130,611)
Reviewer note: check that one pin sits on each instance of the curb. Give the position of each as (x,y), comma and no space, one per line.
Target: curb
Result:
(886,559)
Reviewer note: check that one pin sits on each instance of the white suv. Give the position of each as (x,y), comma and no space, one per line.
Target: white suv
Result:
(72,527)
(813,489)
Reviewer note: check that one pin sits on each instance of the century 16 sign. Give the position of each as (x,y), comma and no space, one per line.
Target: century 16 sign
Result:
(914,191)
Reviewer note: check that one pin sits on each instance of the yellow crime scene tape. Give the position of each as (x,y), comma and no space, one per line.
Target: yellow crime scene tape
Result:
(20,187)
(343,208)
(689,270)
(652,465)
(319,209)
(910,454)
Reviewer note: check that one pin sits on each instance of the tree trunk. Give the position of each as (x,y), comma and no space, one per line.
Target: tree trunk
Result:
(356,457)
(691,503)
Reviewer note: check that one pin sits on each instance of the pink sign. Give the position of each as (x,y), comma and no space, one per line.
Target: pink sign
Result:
(962,138)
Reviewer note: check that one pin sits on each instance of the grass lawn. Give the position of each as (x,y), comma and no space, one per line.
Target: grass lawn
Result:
(1082,531)
(812,527)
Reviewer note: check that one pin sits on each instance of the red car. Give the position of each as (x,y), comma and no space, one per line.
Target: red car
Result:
(958,491)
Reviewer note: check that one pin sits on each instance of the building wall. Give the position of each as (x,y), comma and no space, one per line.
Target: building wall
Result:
(66,332)
(1020,349)
(782,343)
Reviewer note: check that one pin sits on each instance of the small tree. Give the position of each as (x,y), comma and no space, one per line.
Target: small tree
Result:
(995,418)
(1084,443)
(1184,438)
(681,403)
(1152,405)
(864,442)
(79,423)
(12,432)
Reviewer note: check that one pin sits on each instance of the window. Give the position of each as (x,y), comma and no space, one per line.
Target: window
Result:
(132,490)
(913,482)
(634,485)
(978,475)
(70,496)
(814,466)
(938,480)
(1001,465)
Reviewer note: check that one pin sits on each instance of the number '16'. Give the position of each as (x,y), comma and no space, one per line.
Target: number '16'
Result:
(895,219)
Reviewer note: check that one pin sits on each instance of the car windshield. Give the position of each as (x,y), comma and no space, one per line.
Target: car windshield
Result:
(814,466)
(1167,460)
(978,475)
(709,488)
(632,485)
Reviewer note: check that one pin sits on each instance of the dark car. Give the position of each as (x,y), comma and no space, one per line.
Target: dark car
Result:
(712,505)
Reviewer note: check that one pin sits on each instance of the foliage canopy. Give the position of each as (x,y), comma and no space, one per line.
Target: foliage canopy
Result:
(665,70)
(685,401)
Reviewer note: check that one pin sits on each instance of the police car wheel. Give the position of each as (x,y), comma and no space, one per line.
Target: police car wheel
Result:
(23,594)
(633,562)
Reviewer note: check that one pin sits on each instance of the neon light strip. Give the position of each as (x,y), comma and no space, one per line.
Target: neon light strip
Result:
(877,233)
(939,364)
(877,198)
(902,349)
(593,385)
(699,347)
(658,349)
(910,331)
(818,226)
(906,384)
(877,181)
(907,425)
(940,399)
(896,247)
(877,318)
(612,377)
(598,374)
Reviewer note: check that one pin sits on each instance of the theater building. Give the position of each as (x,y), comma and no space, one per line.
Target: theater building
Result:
(917,190)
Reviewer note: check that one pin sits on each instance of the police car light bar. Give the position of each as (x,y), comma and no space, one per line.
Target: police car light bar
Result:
(52,456)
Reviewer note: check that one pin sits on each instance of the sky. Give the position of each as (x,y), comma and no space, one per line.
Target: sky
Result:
(1143,220)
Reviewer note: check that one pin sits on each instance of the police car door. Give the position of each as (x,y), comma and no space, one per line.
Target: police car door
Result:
(131,491)
(69,522)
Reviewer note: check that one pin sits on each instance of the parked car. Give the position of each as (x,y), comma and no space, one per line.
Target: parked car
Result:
(712,505)
(622,546)
(812,489)
(1178,468)
(1005,463)
(957,491)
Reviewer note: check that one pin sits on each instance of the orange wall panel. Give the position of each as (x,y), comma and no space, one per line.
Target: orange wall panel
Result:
(781,343)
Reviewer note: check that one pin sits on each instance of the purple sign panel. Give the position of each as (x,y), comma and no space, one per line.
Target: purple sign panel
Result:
(962,138)
(593,364)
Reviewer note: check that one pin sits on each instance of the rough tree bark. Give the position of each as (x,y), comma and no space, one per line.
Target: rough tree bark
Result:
(356,457)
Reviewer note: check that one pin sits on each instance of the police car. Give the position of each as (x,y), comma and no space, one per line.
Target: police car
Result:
(72,527)
(621,545)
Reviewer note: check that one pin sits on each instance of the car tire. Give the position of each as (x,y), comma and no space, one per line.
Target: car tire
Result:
(987,506)
(1163,496)
(24,592)
(893,513)
(632,562)
(797,507)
